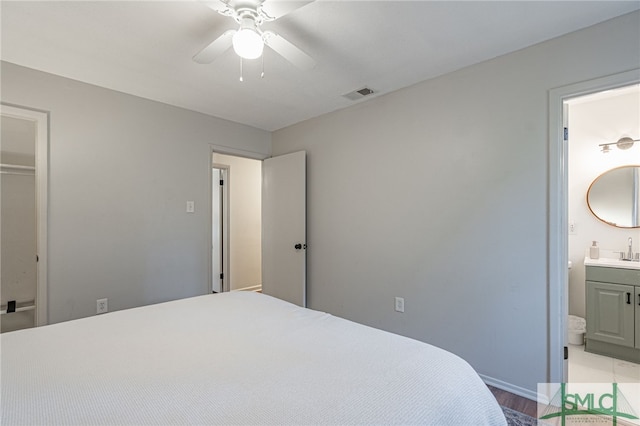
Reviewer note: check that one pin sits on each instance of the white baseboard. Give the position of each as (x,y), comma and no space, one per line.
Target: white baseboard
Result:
(517,390)
(250,288)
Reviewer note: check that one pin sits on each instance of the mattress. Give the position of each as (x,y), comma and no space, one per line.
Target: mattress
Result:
(233,358)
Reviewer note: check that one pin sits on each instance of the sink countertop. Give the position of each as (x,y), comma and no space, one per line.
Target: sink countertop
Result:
(611,263)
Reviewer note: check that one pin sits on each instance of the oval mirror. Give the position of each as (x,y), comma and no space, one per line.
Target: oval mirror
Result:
(614,195)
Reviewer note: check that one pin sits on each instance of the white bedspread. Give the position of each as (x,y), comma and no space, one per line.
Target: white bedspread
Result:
(233,358)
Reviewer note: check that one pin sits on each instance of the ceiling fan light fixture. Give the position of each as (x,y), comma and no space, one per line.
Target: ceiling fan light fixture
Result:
(247,43)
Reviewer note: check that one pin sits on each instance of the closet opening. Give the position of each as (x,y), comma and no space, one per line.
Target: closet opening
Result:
(23,218)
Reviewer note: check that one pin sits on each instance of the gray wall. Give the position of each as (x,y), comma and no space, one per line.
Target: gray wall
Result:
(121,171)
(457,222)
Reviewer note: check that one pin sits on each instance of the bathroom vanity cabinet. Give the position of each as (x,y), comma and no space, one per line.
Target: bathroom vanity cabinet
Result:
(613,312)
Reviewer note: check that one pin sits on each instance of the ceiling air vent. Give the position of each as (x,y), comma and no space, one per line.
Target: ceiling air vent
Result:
(359,94)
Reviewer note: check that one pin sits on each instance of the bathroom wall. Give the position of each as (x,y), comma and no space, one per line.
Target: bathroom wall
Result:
(593,120)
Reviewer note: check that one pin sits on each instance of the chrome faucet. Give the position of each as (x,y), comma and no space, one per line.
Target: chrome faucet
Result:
(630,253)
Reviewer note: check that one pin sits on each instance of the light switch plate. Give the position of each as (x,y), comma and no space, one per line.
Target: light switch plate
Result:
(191,206)
(399,304)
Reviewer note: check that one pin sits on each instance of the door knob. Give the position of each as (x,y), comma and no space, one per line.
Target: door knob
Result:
(300,246)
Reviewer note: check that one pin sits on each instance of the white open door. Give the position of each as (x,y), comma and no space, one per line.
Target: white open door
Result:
(284,227)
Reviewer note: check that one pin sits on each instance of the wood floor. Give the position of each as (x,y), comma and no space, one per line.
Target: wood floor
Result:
(515,402)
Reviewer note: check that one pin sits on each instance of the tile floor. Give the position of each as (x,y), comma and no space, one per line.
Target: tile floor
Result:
(585,367)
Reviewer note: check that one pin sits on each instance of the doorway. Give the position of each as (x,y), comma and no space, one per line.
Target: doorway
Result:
(236,223)
(23,181)
(596,122)
(559,215)
(265,212)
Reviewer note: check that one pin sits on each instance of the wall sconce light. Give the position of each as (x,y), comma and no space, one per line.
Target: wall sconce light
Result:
(622,143)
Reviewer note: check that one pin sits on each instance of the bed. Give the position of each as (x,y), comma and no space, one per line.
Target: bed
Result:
(233,358)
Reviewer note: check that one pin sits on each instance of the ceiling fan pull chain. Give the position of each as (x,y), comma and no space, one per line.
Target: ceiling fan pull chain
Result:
(241,79)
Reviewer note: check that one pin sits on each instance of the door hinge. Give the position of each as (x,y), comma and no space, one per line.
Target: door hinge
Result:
(566,352)
(566,134)
(222,276)
(221,182)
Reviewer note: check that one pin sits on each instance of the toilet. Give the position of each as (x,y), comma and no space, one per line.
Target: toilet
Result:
(577,326)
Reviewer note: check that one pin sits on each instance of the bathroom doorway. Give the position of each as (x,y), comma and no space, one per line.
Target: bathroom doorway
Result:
(565,294)
(597,122)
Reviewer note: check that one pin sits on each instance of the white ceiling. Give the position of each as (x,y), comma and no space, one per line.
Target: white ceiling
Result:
(145,48)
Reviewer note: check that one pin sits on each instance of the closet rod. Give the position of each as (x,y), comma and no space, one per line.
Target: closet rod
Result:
(16,166)
(17,173)
(20,309)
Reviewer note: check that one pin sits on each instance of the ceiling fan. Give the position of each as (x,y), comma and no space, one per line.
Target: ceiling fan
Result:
(249,39)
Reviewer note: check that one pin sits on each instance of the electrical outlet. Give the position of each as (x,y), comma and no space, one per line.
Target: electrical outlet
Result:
(102,306)
(191,207)
(399,304)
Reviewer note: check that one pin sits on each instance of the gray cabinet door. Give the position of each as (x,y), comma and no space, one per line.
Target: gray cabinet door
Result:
(637,308)
(610,313)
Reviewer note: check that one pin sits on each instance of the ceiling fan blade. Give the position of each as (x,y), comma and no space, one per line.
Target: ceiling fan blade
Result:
(289,51)
(220,6)
(215,49)
(274,9)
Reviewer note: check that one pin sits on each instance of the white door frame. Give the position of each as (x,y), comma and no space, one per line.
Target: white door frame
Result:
(224,214)
(226,150)
(41,121)
(558,235)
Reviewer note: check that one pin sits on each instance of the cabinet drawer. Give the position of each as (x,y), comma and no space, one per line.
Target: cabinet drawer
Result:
(613,275)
